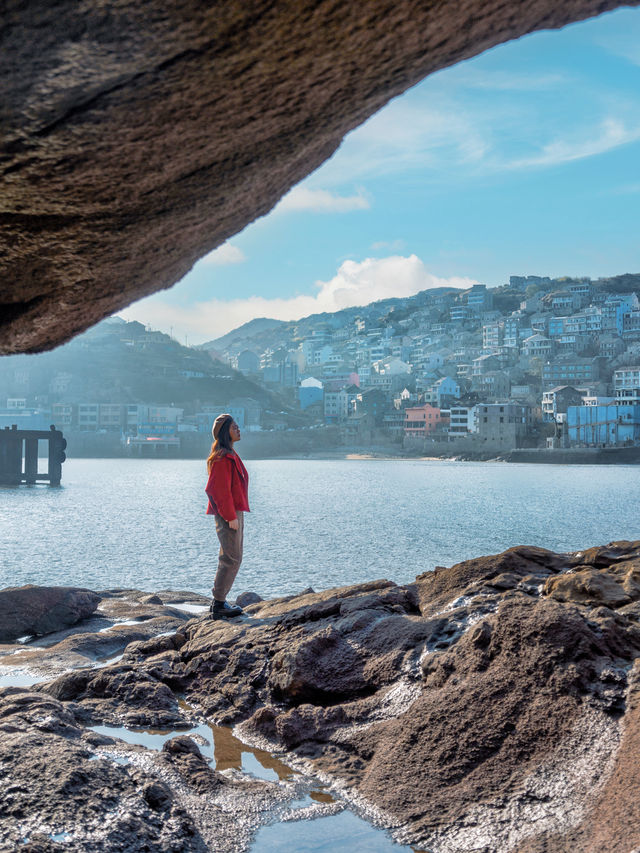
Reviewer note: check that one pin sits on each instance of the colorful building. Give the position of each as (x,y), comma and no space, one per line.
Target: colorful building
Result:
(419,421)
(609,425)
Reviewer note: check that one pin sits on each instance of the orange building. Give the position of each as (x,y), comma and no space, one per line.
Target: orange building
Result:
(419,421)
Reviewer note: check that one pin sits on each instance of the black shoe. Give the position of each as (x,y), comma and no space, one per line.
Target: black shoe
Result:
(224,610)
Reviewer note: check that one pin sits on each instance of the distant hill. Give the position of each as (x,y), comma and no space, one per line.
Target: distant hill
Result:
(247,330)
(260,333)
(625,283)
(264,333)
(117,362)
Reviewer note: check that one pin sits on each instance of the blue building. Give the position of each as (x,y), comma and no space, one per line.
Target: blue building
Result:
(556,326)
(605,426)
(310,391)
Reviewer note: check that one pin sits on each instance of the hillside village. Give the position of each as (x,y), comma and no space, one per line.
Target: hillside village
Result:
(538,362)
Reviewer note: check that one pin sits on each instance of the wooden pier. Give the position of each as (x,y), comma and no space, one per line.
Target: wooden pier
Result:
(19,456)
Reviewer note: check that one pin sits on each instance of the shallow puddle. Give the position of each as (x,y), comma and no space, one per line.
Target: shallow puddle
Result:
(21,679)
(232,753)
(188,608)
(221,748)
(339,833)
(122,624)
(61,836)
(155,738)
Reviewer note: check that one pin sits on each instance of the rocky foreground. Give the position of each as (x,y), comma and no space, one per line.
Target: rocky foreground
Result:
(491,706)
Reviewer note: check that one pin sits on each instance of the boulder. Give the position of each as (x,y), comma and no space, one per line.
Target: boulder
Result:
(119,693)
(137,138)
(150,599)
(42,609)
(247,598)
(493,705)
(588,586)
(184,755)
(480,708)
(69,788)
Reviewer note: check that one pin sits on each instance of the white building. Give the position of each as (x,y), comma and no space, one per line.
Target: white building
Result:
(626,385)
(462,420)
(537,346)
(492,336)
(336,404)
(392,367)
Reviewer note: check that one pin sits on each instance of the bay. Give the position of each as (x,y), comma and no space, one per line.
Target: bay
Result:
(321,523)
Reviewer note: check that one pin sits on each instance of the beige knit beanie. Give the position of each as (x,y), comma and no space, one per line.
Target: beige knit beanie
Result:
(219,421)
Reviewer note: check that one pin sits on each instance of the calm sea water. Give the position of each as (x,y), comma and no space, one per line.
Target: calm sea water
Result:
(141,523)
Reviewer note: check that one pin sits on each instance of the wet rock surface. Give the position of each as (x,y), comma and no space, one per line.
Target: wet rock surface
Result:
(42,609)
(493,705)
(136,139)
(112,620)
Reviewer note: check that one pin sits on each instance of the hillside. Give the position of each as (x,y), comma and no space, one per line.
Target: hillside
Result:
(119,362)
(247,331)
(262,333)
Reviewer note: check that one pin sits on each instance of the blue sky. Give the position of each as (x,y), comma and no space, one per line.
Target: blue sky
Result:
(525,159)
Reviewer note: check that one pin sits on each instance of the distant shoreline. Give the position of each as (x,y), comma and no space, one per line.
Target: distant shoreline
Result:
(574,456)
(325,444)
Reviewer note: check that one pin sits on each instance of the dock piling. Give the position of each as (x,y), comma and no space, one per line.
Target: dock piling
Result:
(18,446)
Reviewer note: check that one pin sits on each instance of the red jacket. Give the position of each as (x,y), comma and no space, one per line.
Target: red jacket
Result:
(228,487)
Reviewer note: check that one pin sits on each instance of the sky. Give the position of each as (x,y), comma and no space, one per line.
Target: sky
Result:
(523,160)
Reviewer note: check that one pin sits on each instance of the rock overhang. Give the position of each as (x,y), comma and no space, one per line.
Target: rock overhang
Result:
(139,137)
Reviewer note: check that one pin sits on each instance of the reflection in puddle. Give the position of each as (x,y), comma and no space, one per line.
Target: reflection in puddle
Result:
(155,738)
(232,753)
(21,679)
(312,799)
(218,744)
(339,833)
(321,797)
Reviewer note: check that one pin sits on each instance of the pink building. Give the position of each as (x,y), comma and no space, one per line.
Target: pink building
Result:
(337,381)
(421,420)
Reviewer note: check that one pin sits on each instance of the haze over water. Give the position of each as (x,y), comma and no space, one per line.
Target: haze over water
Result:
(319,523)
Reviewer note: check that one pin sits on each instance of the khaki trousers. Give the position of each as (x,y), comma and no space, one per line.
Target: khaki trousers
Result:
(230,556)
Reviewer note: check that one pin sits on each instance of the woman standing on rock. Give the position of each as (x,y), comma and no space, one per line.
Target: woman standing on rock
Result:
(228,492)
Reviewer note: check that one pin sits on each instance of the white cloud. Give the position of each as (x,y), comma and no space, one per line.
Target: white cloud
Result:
(406,135)
(355,283)
(472,122)
(321,201)
(224,255)
(611,134)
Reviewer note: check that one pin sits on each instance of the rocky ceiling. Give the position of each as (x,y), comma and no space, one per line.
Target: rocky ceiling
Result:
(137,135)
